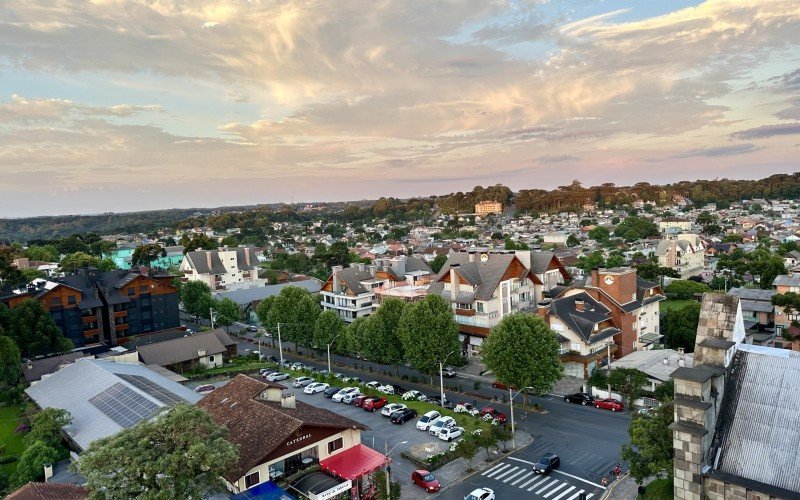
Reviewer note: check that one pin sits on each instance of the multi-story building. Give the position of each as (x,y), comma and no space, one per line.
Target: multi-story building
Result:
(222,269)
(92,306)
(487,207)
(785,283)
(351,292)
(685,254)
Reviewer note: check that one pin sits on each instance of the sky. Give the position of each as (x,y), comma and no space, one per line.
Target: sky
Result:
(111,105)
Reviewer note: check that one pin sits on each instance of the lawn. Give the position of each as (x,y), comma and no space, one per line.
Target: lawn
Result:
(669,305)
(9,420)
(659,489)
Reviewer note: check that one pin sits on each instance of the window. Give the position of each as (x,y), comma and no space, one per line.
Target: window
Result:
(131,291)
(336,444)
(251,480)
(56,301)
(143,289)
(480,306)
(211,359)
(71,299)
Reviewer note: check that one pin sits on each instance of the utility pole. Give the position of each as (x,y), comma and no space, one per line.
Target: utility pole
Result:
(608,367)
(280,345)
(212,316)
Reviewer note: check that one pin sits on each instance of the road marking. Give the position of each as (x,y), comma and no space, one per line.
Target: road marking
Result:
(564,493)
(555,489)
(548,486)
(521,460)
(506,472)
(512,476)
(576,495)
(526,483)
(590,495)
(521,478)
(537,485)
(578,478)
(496,468)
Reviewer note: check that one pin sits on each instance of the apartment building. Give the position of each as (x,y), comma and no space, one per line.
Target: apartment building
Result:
(487,207)
(92,306)
(222,269)
(685,254)
(351,292)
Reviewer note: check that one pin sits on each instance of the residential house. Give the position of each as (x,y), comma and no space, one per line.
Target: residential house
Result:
(683,225)
(487,207)
(94,306)
(209,349)
(733,412)
(791,259)
(277,435)
(350,292)
(685,255)
(222,269)
(248,298)
(35,369)
(757,309)
(104,397)
(658,365)
(50,491)
(48,268)
(785,283)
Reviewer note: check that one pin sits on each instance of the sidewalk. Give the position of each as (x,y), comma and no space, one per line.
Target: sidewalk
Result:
(567,384)
(624,488)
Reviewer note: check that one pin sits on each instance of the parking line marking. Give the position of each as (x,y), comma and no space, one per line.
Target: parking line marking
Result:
(521,460)
(537,485)
(547,495)
(522,478)
(496,468)
(505,473)
(548,486)
(590,495)
(564,493)
(576,495)
(579,478)
(512,476)
(526,483)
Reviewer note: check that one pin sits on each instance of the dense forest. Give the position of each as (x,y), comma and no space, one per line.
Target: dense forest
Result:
(570,197)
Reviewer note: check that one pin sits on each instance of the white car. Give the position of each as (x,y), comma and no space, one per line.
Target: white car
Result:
(386,389)
(426,420)
(450,433)
(414,395)
(481,494)
(315,387)
(274,377)
(347,391)
(389,409)
(439,424)
(302,381)
(373,385)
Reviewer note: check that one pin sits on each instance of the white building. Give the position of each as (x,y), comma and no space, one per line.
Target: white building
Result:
(222,269)
(685,254)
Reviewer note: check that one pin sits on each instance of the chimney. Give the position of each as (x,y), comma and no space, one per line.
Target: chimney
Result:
(472,256)
(595,277)
(666,360)
(454,285)
(201,353)
(247,256)
(373,270)
(681,357)
(29,364)
(580,305)
(208,258)
(144,271)
(337,286)
(288,401)
(48,472)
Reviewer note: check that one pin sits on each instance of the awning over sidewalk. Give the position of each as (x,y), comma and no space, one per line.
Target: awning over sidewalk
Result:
(355,462)
(263,491)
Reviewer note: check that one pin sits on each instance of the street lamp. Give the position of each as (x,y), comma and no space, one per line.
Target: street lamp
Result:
(511,397)
(441,377)
(329,351)
(608,366)
(280,346)
(388,481)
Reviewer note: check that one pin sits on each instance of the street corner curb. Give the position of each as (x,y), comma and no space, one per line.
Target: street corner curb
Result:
(610,490)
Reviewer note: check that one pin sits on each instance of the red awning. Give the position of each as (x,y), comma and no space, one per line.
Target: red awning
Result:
(355,462)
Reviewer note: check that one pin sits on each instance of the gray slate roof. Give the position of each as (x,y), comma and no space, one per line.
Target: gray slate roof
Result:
(582,322)
(484,276)
(46,366)
(198,259)
(753,299)
(787,280)
(185,348)
(248,295)
(71,388)
(758,431)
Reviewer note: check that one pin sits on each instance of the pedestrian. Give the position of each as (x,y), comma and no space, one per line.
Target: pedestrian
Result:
(604,481)
(617,470)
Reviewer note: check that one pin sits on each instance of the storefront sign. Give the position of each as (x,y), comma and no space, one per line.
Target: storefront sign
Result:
(339,488)
(297,439)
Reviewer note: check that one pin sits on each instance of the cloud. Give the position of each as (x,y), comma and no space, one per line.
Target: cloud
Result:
(734,149)
(555,158)
(767,131)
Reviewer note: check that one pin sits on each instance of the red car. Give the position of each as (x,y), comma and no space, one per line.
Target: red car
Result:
(609,404)
(497,415)
(359,401)
(425,480)
(499,385)
(372,404)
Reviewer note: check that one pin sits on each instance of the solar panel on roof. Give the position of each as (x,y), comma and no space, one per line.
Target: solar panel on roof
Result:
(149,387)
(123,405)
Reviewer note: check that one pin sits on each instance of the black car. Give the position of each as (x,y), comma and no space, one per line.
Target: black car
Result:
(437,401)
(273,359)
(330,391)
(398,390)
(547,463)
(579,397)
(403,416)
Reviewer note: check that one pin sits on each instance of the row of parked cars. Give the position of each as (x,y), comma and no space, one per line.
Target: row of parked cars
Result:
(588,400)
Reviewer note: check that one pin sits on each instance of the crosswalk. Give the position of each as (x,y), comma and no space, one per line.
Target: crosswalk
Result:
(550,487)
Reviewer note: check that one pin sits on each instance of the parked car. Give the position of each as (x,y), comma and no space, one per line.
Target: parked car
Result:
(359,400)
(402,416)
(204,389)
(481,494)
(338,375)
(315,388)
(467,406)
(441,423)
(450,433)
(426,420)
(348,398)
(389,409)
(425,480)
(252,328)
(297,365)
(385,389)
(497,415)
(375,403)
(338,397)
(330,391)
(609,404)
(397,389)
(414,395)
(273,359)
(436,400)
(547,463)
(266,371)
(579,397)
(302,381)
(373,384)
(277,376)
(449,372)
(499,385)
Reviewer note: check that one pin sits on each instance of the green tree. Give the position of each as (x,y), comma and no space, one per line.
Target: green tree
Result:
(144,255)
(651,271)
(10,362)
(438,262)
(227,312)
(297,311)
(5,320)
(650,452)
(198,241)
(71,244)
(598,378)
(192,296)
(522,351)
(599,233)
(573,241)
(181,454)
(328,328)
(629,382)
(379,479)
(74,261)
(594,260)
(356,336)
(46,427)
(384,344)
(31,463)
(429,334)
(44,253)
(680,326)
(35,332)
(685,289)
(466,449)
(615,259)
(262,311)
(639,227)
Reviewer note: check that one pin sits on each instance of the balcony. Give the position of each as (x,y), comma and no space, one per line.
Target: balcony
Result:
(465,312)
